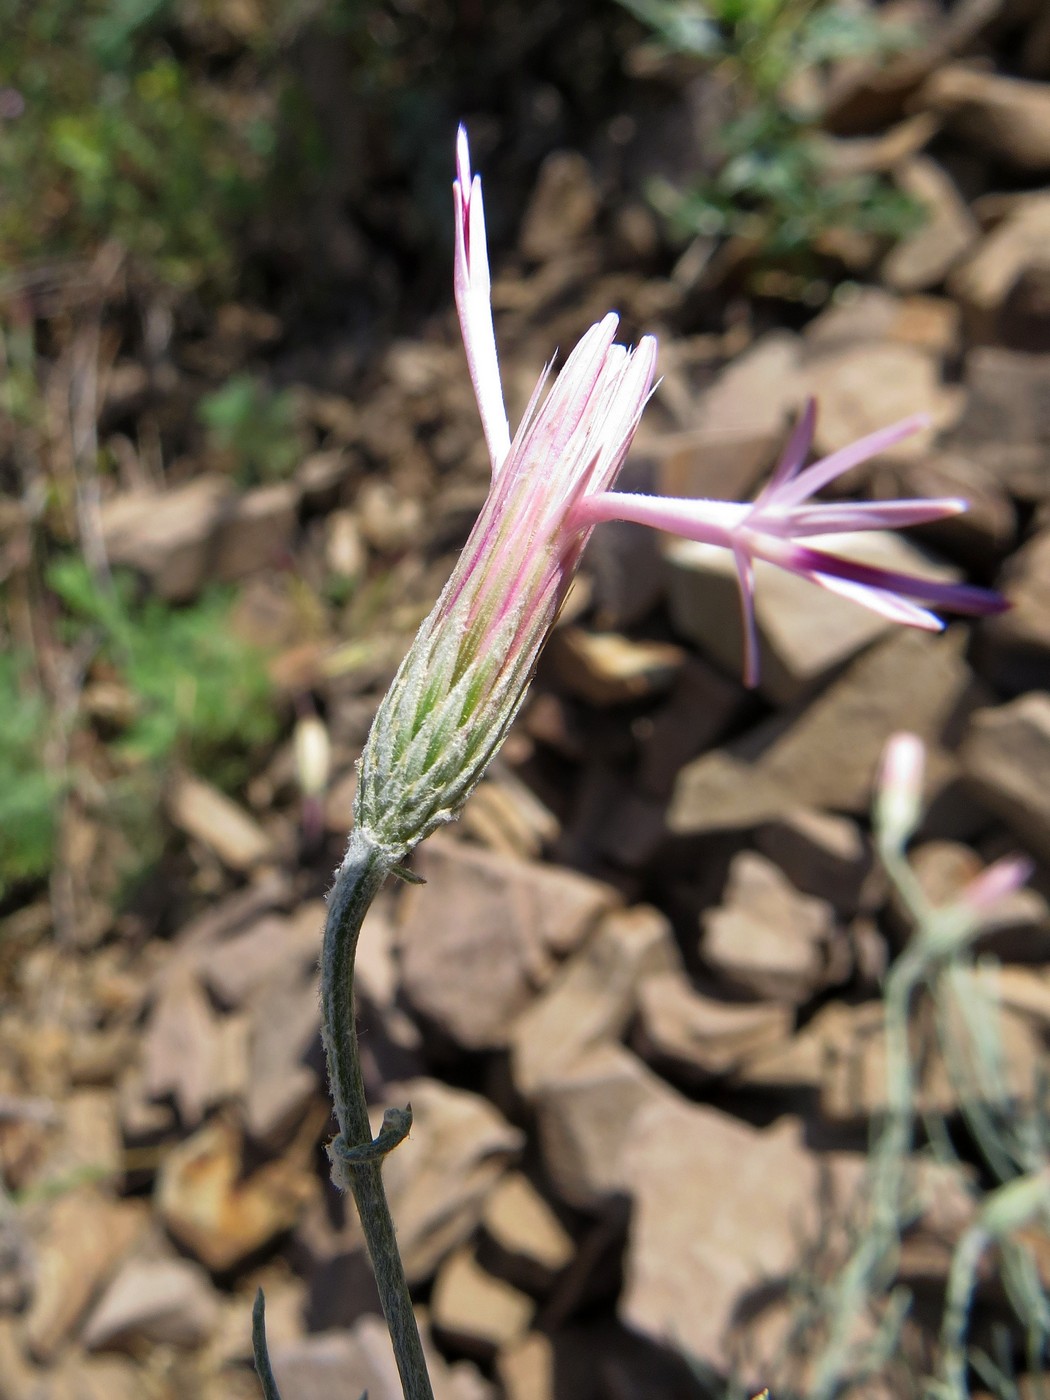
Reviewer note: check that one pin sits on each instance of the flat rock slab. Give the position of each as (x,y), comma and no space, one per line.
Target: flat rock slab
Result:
(1006,758)
(720,1210)
(484,933)
(438,1180)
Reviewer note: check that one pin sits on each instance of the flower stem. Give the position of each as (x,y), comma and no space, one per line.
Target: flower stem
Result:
(357,1159)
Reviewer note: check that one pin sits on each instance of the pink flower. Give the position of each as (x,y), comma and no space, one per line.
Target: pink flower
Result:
(774,525)
(468,669)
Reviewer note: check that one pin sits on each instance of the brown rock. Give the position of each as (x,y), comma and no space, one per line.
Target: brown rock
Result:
(438,1180)
(1006,760)
(719,1212)
(169,535)
(1007,117)
(698,711)
(923,259)
(476,1312)
(84,1237)
(828,756)
(863,314)
(694,1038)
(271,948)
(327,1364)
(820,853)
(256,531)
(209,816)
(593,997)
(505,815)
(586,1119)
(523,1241)
(283,1076)
(605,668)
(181,1047)
(218,1215)
(1014,648)
(88,1140)
(166,1301)
(757,394)
(766,938)
(985,283)
(725,791)
(864,387)
(562,208)
(484,932)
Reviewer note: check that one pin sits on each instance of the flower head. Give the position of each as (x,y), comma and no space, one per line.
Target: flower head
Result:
(468,669)
(466,674)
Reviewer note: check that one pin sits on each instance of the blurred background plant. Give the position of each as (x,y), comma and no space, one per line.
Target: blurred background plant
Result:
(773,184)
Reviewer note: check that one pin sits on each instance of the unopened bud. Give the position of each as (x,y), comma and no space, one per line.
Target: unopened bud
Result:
(313,756)
(898,794)
(1001,879)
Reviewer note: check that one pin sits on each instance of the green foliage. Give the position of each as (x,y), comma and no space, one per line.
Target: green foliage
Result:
(118,139)
(772,185)
(255,426)
(201,694)
(29,792)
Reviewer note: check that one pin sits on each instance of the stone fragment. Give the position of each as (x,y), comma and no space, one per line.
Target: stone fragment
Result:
(165,1301)
(505,815)
(216,1213)
(863,387)
(757,393)
(438,1181)
(271,948)
(717,464)
(1006,760)
(256,531)
(820,853)
(723,791)
(283,1071)
(605,668)
(167,535)
(829,755)
(523,1241)
(207,815)
(475,1312)
(181,1046)
(88,1140)
(720,1212)
(562,208)
(329,1364)
(586,1117)
(84,1236)
(390,521)
(593,997)
(699,710)
(863,314)
(483,933)
(1013,649)
(1007,117)
(693,1038)
(923,259)
(766,939)
(526,1369)
(804,632)
(986,282)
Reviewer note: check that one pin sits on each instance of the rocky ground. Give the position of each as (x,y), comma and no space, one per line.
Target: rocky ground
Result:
(636,1005)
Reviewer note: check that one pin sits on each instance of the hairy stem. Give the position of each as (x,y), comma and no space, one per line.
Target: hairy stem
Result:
(356,1159)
